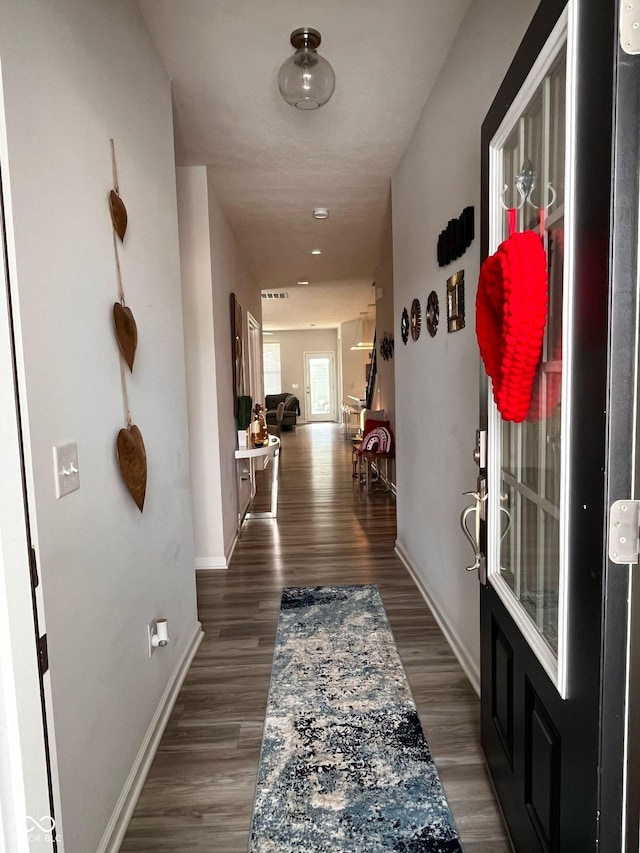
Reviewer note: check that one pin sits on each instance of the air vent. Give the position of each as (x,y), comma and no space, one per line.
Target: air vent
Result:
(274,294)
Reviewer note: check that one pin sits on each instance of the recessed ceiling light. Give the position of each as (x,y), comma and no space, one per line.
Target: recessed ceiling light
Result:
(320,213)
(316,252)
(303,281)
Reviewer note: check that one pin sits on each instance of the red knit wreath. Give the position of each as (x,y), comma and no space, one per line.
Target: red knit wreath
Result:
(511,312)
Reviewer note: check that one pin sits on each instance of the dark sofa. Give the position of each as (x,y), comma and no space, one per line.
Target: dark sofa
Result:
(291,409)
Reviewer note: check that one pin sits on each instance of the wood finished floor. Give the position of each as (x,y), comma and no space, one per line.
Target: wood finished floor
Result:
(199,792)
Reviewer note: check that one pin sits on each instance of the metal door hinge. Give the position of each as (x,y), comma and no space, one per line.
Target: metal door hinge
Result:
(33,565)
(624,532)
(630,26)
(43,654)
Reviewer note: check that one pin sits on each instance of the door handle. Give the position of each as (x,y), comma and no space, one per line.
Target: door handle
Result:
(503,533)
(463,524)
(474,540)
(508,515)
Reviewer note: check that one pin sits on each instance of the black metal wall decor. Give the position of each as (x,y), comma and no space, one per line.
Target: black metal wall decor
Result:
(433,313)
(455,302)
(404,326)
(454,241)
(416,319)
(386,346)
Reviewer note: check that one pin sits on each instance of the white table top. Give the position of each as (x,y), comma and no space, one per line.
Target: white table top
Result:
(251,452)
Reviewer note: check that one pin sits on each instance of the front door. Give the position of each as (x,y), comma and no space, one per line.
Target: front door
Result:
(547,155)
(320,384)
(27,818)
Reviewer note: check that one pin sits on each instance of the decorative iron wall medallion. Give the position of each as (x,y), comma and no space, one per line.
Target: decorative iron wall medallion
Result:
(416,319)
(404,326)
(386,346)
(433,313)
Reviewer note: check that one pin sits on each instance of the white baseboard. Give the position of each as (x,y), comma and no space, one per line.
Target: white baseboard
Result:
(119,821)
(466,662)
(231,548)
(205,564)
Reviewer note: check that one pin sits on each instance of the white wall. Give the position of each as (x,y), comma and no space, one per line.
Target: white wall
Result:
(293,345)
(230,273)
(212,267)
(385,388)
(75,73)
(354,362)
(200,357)
(437,379)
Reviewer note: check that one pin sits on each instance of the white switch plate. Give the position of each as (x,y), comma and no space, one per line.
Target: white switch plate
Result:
(65,462)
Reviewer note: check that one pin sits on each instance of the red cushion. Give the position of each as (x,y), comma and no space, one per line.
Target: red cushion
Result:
(511,313)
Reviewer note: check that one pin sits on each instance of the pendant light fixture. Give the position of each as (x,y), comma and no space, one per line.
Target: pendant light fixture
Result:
(306,80)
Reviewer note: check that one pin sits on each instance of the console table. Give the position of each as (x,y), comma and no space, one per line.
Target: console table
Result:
(271,450)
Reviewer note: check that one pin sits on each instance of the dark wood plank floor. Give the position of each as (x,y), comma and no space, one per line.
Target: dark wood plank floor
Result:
(199,792)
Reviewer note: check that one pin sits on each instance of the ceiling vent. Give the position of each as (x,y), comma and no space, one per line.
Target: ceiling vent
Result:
(274,294)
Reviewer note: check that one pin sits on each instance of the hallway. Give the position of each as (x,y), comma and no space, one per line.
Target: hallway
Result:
(199,792)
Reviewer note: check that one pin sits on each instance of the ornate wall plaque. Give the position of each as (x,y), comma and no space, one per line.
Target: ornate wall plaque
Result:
(404,326)
(455,302)
(386,346)
(416,319)
(433,313)
(456,238)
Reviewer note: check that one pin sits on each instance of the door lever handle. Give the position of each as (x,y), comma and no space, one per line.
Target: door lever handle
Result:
(463,524)
(474,541)
(508,525)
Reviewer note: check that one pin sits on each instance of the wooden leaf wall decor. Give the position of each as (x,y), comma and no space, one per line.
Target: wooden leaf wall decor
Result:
(132,459)
(118,214)
(126,332)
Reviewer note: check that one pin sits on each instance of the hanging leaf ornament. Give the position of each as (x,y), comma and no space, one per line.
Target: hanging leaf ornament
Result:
(126,332)
(132,459)
(118,214)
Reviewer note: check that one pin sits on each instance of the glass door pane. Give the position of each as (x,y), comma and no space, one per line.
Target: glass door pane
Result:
(320,384)
(525,514)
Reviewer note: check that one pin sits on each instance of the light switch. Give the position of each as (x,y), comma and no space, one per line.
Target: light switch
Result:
(65,461)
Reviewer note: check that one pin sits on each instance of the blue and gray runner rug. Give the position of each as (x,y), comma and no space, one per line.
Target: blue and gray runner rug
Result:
(345,766)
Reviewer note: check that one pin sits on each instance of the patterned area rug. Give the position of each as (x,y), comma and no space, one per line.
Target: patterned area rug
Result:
(345,766)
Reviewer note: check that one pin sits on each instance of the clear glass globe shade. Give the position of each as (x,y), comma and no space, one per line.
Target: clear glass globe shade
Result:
(306,80)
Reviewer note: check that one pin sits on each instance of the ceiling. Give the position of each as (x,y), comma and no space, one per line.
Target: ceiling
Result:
(271,164)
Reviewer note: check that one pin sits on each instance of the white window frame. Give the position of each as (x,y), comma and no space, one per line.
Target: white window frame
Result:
(273,344)
(555,666)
